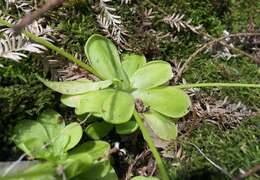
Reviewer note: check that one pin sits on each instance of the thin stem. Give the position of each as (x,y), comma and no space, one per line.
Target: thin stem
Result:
(224,171)
(200,85)
(152,147)
(51,46)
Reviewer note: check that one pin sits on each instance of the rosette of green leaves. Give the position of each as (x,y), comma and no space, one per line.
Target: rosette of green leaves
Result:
(123,83)
(49,139)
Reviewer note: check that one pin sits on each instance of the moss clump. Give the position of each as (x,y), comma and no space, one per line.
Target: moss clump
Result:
(233,150)
(22,96)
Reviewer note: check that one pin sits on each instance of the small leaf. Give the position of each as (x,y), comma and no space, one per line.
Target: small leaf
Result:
(151,75)
(31,137)
(132,62)
(52,122)
(92,102)
(96,149)
(127,128)
(79,86)
(74,131)
(104,57)
(59,146)
(76,164)
(98,130)
(70,100)
(161,125)
(99,171)
(118,108)
(169,101)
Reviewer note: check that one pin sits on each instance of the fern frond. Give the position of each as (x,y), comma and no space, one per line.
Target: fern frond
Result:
(126,1)
(176,21)
(12,47)
(23,5)
(111,24)
(43,32)
(7,18)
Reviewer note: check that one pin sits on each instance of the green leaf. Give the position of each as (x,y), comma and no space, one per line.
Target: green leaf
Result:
(169,101)
(41,171)
(151,75)
(99,171)
(79,86)
(132,62)
(98,130)
(144,178)
(161,125)
(74,131)
(103,57)
(127,128)
(96,149)
(118,108)
(77,163)
(70,100)
(52,122)
(47,138)
(59,147)
(31,137)
(92,102)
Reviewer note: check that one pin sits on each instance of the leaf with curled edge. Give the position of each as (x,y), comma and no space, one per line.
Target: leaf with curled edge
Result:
(79,86)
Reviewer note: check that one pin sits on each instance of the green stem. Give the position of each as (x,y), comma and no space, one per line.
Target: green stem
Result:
(200,85)
(152,147)
(60,51)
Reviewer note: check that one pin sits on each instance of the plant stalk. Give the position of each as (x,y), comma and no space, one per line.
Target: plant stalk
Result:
(152,147)
(201,85)
(51,46)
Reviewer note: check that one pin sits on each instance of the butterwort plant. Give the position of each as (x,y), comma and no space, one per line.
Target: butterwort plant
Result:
(130,90)
(126,86)
(53,143)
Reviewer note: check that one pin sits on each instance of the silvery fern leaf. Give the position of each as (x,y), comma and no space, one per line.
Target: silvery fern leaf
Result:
(126,1)
(111,24)
(176,21)
(7,18)
(23,5)
(13,47)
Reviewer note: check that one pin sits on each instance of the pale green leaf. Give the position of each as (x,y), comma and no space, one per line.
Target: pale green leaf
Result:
(127,128)
(162,126)
(118,108)
(59,146)
(98,130)
(52,122)
(169,101)
(151,75)
(76,164)
(104,57)
(70,100)
(74,131)
(96,149)
(30,136)
(99,171)
(132,62)
(79,86)
(92,102)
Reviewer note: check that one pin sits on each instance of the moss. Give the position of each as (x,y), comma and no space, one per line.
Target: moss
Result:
(22,96)
(233,150)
